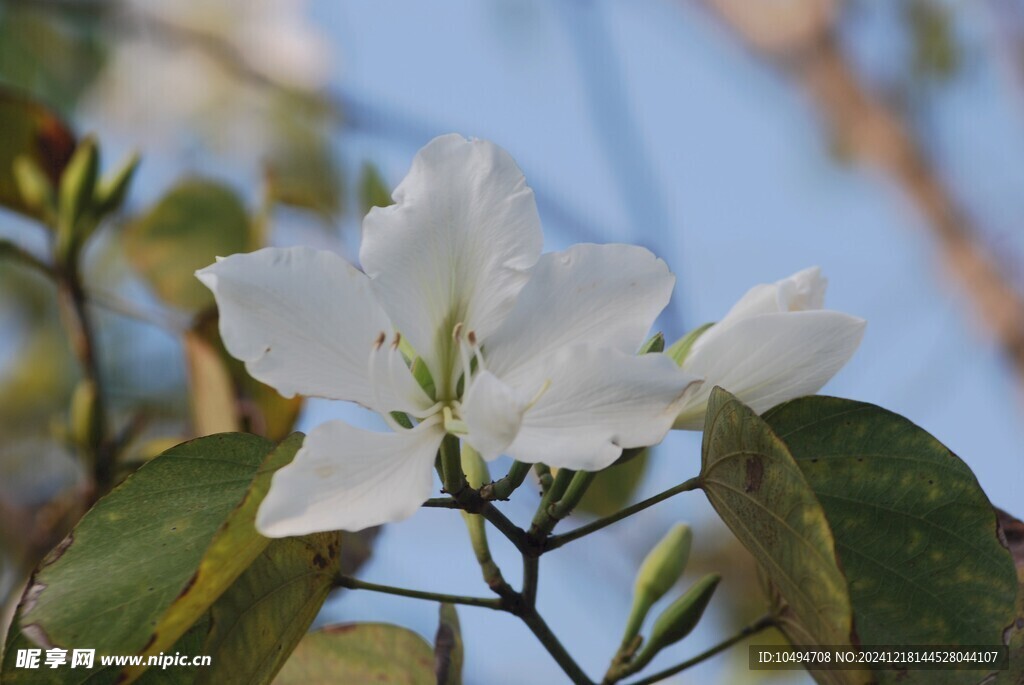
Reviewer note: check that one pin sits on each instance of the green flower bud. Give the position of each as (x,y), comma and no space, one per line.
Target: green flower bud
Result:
(86,423)
(112,190)
(661,570)
(475,468)
(77,187)
(681,348)
(656,343)
(678,620)
(33,185)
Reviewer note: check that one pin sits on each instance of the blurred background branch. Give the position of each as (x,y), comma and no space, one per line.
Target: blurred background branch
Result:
(800,39)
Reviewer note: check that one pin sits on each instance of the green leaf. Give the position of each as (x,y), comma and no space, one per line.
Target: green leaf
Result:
(373,191)
(190,643)
(258,622)
(31,130)
(1012,530)
(151,556)
(449,651)
(614,487)
(235,545)
(360,653)
(914,532)
(193,224)
(758,490)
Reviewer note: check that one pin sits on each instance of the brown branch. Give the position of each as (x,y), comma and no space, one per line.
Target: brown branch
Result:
(801,42)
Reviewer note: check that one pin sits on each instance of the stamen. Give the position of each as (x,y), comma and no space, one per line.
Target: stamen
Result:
(397,341)
(452,424)
(539,394)
(427,413)
(371,368)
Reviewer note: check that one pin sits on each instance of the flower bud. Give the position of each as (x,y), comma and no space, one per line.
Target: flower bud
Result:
(681,348)
(473,465)
(33,185)
(77,186)
(661,570)
(111,191)
(656,343)
(86,423)
(678,620)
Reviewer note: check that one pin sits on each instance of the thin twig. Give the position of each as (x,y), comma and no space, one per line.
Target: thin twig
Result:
(557,541)
(355,584)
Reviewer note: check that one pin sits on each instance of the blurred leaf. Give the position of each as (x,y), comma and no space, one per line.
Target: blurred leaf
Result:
(301,170)
(449,652)
(260,619)
(373,190)
(51,51)
(758,490)
(360,653)
(156,530)
(194,223)
(613,488)
(29,129)
(212,391)
(260,408)
(902,506)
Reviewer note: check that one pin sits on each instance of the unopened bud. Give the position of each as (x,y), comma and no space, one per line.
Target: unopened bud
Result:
(475,468)
(656,343)
(678,620)
(33,185)
(77,187)
(680,349)
(112,190)
(661,570)
(86,423)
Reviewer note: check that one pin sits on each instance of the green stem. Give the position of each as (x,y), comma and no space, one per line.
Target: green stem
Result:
(558,540)
(356,584)
(71,300)
(551,643)
(531,575)
(516,535)
(452,477)
(442,503)
(503,488)
(573,494)
(755,627)
(542,521)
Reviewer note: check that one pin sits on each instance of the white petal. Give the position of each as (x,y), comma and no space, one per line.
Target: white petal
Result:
(493,412)
(600,400)
(803,290)
(346,478)
(455,246)
(304,321)
(771,358)
(602,295)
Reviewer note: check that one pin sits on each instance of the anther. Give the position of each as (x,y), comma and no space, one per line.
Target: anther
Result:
(457,332)
(379,342)
(471,338)
(397,341)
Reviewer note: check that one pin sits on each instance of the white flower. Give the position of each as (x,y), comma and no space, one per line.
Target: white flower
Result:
(775,344)
(531,355)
